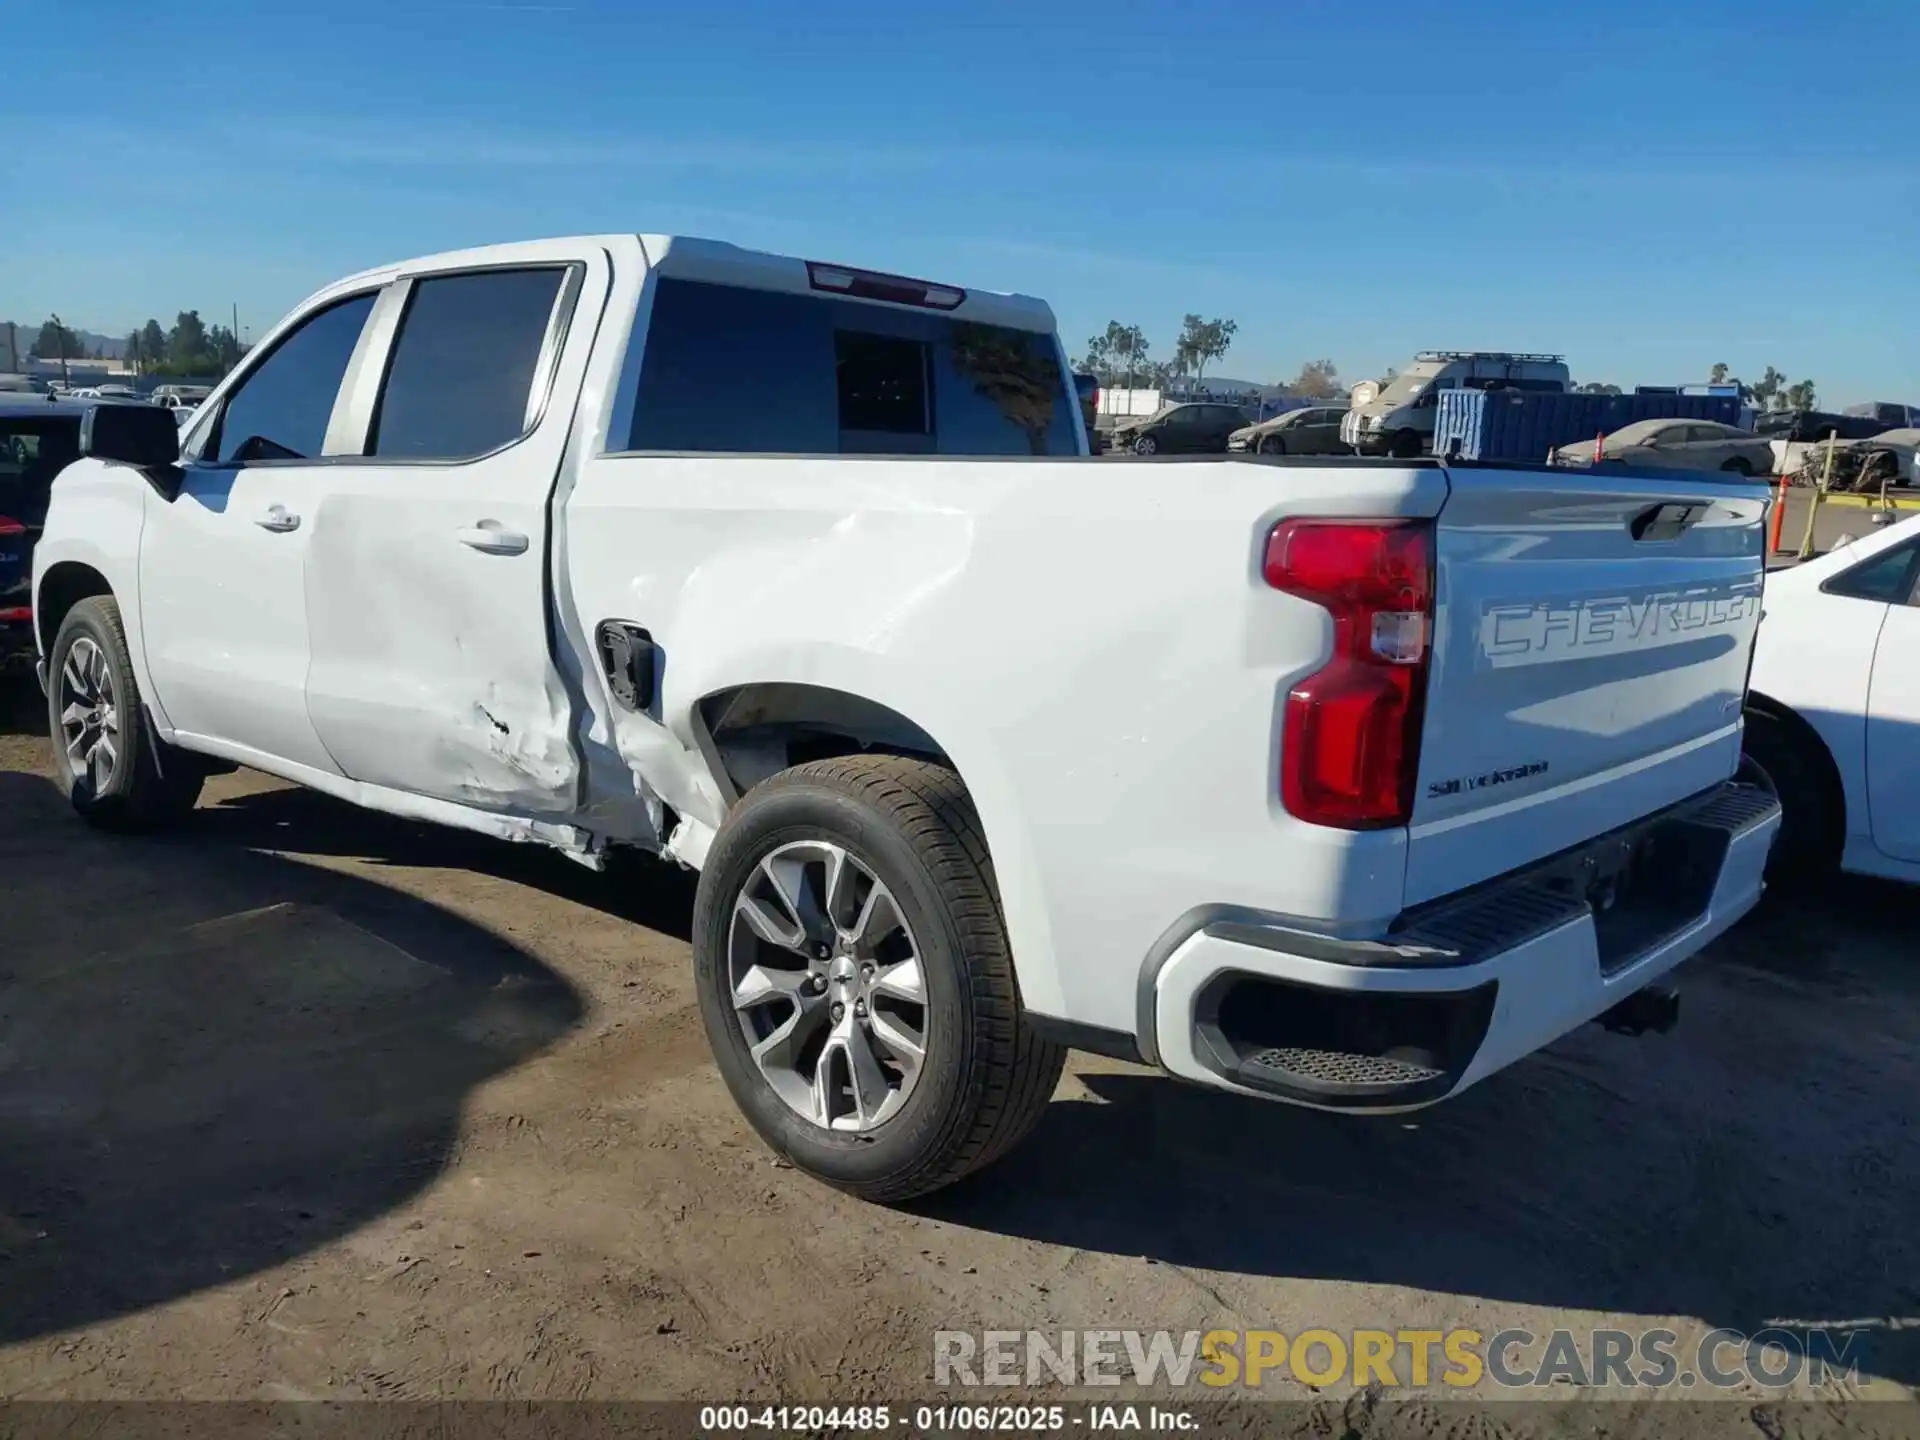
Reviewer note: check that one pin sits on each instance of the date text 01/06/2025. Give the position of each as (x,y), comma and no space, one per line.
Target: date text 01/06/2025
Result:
(938,1419)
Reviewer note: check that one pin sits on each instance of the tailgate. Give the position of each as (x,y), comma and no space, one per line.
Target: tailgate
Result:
(1592,634)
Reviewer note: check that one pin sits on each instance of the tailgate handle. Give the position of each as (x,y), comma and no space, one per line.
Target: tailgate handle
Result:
(1665,522)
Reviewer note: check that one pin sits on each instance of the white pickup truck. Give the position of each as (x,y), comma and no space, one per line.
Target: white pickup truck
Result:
(1344,784)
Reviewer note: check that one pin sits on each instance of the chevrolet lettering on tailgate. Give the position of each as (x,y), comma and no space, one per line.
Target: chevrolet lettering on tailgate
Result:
(1546,631)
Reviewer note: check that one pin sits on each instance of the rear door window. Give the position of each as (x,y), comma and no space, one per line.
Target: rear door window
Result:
(729,370)
(463,364)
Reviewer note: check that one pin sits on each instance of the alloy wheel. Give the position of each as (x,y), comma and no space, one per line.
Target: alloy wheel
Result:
(89,714)
(827,985)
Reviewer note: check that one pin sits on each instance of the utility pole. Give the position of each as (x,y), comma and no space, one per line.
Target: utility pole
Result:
(13,350)
(60,334)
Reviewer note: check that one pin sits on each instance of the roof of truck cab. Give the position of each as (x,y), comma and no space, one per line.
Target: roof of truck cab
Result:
(693,257)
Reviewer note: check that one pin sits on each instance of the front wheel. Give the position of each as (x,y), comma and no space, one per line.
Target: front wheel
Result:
(1406,445)
(856,981)
(1737,466)
(1146,445)
(1273,445)
(116,772)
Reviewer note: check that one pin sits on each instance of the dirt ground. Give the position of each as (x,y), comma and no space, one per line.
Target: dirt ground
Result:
(304,1102)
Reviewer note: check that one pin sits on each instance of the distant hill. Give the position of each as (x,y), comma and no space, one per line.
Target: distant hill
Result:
(26,333)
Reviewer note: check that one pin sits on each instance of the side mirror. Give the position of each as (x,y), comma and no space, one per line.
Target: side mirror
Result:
(146,436)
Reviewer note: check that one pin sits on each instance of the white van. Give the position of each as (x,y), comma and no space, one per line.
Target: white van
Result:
(1399,420)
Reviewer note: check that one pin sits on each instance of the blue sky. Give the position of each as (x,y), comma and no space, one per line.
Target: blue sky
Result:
(1634,183)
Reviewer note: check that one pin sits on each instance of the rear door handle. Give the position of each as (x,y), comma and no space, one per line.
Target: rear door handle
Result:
(489,537)
(278,519)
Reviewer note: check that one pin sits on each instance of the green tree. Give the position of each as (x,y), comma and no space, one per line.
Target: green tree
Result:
(187,343)
(1115,354)
(1012,369)
(1766,393)
(1719,375)
(56,340)
(1800,395)
(1317,380)
(1597,387)
(224,348)
(130,347)
(153,343)
(1201,341)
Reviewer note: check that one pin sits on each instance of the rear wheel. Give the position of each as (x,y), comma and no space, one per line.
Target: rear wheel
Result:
(856,982)
(117,773)
(1789,759)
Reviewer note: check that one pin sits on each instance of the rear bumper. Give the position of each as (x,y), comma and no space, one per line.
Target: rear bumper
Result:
(1462,987)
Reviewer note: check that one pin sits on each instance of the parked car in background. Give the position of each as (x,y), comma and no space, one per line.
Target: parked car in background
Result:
(1314,430)
(1676,445)
(1833,708)
(173,396)
(1399,419)
(1196,428)
(1887,414)
(38,438)
(1791,433)
(1291,784)
(1807,426)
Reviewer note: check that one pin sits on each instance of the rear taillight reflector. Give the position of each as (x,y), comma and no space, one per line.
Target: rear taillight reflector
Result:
(1350,744)
(10,526)
(10,614)
(871,285)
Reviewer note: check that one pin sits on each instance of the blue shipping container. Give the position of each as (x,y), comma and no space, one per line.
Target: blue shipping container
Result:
(1527,425)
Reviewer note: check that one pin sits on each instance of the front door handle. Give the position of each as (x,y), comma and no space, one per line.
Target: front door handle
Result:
(490,537)
(278,519)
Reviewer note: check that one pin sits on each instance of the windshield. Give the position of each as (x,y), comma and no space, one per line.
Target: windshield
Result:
(1640,432)
(1408,386)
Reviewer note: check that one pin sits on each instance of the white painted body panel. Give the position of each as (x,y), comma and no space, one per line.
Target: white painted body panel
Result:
(1090,643)
(1847,666)
(225,619)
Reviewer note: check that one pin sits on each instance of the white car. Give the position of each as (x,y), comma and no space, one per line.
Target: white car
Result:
(1334,785)
(1833,713)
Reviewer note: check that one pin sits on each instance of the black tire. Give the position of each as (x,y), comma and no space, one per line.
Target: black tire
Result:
(1146,445)
(1791,760)
(1272,445)
(148,784)
(986,1077)
(1737,466)
(1406,445)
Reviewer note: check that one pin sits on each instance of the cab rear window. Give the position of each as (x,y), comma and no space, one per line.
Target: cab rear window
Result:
(737,371)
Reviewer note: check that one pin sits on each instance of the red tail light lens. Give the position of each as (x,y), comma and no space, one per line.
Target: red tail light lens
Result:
(1350,748)
(10,526)
(871,285)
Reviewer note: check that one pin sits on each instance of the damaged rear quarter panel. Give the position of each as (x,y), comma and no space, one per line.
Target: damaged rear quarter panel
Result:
(1089,643)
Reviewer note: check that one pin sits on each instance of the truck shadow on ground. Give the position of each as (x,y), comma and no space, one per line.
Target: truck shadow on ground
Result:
(1756,1166)
(646,891)
(23,709)
(212,1062)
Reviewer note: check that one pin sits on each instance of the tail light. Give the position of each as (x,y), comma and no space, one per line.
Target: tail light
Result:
(11,526)
(1350,749)
(871,285)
